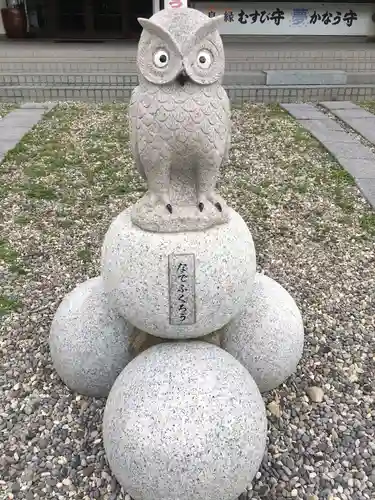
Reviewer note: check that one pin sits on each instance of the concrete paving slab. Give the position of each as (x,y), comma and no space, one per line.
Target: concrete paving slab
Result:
(350,150)
(6,145)
(23,112)
(325,124)
(364,127)
(324,134)
(38,105)
(12,133)
(27,120)
(367,186)
(338,105)
(360,168)
(303,111)
(17,123)
(343,114)
(360,120)
(26,125)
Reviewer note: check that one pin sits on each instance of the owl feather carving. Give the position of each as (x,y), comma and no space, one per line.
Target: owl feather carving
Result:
(180,114)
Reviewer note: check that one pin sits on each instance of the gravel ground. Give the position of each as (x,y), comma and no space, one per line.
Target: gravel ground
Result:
(5,108)
(314,233)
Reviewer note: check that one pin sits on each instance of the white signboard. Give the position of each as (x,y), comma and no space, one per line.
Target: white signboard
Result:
(175,4)
(292,18)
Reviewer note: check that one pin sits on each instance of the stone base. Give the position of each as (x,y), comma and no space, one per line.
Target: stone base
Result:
(184,420)
(88,341)
(267,336)
(156,218)
(178,285)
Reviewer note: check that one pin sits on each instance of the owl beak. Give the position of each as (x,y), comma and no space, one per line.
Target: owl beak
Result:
(182,77)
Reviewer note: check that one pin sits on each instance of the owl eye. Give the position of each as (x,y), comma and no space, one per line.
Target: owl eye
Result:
(204,59)
(161,58)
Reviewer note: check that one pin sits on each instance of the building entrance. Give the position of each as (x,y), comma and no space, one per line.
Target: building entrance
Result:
(87,19)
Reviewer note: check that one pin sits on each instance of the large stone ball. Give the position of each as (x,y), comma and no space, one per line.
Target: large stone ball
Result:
(267,336)
(184,420)
(178,285)
(89,341)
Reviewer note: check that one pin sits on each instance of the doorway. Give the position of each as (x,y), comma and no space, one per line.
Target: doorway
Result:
(89,19)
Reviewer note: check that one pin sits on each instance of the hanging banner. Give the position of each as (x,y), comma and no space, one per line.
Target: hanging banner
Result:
(175,4)
(292,18)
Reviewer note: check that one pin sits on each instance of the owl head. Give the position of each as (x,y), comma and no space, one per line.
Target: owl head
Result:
(181,45)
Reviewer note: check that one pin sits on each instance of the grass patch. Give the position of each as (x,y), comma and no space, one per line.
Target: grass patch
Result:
(22,219)
(369,105)
(84,254)
(342,177)
(8,305)
(367,222)
(11,258)
(40,191)
(7,253)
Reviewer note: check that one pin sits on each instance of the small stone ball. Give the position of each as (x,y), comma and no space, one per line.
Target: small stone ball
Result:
(184,420)
(88,341)
(267,336)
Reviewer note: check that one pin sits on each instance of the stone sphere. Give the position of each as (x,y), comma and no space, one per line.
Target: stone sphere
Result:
(88,341)
(184,420)
(267,336)
(143,276)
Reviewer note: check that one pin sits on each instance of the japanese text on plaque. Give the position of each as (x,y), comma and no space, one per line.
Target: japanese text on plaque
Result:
(181,289)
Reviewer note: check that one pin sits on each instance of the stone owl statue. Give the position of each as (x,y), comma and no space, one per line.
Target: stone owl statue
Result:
(180,121)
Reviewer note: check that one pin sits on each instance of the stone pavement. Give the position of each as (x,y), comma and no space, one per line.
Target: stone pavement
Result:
(355,157)
(17,123)
(359,119)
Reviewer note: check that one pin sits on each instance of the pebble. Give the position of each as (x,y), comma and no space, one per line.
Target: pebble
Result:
(274,408)
(316,394)
(87,471)
(16,488)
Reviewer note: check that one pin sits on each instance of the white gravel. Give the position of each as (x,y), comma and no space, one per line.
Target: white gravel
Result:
(314,233)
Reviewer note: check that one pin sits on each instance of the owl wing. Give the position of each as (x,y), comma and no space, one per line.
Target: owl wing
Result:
(134,129)
(226,108)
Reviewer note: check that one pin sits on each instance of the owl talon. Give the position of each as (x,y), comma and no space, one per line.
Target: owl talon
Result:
(201,207)
(218,206)
(169,208)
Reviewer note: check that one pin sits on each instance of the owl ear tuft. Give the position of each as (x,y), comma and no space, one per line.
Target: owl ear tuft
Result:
(211,25)
(158,31)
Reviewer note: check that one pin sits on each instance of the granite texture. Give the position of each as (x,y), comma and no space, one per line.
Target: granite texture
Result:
(88,341)
(135,274)
(267,336)
(184,420)
(179,119)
